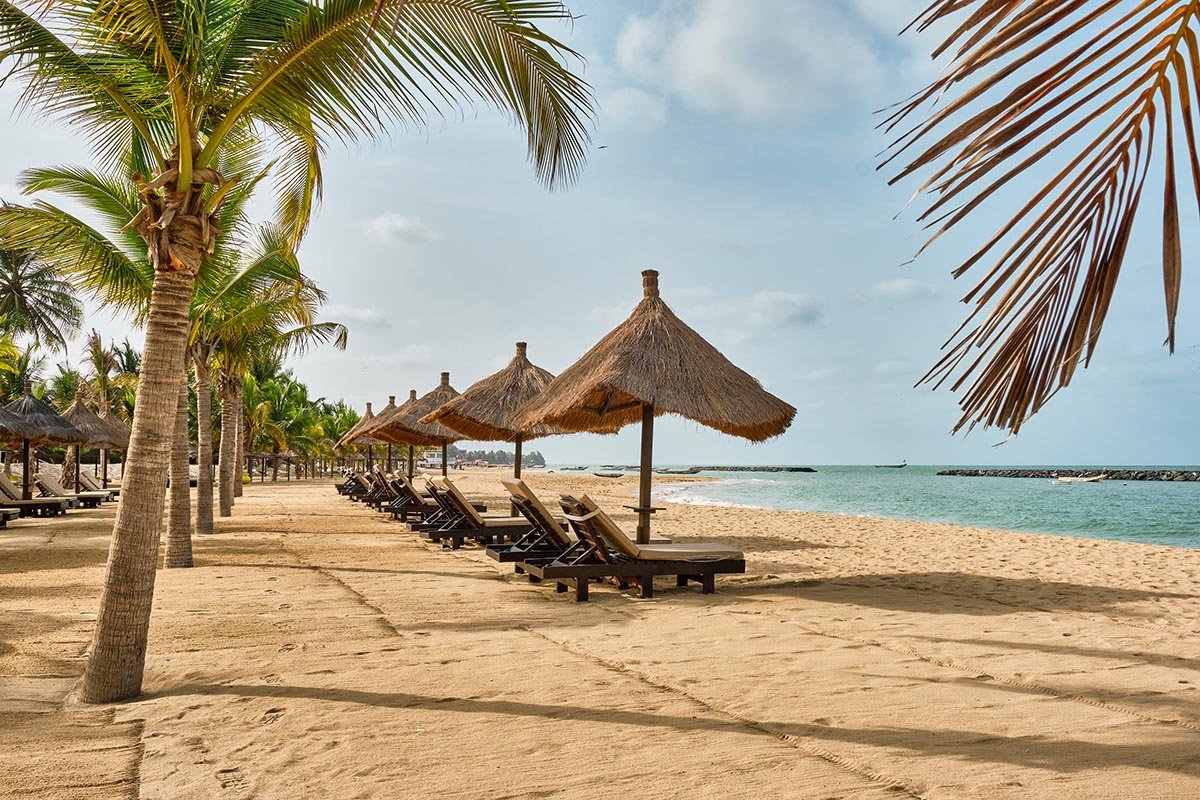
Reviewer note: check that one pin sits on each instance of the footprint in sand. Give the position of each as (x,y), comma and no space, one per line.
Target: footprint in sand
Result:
(287,648)
(272,715)
(231,778)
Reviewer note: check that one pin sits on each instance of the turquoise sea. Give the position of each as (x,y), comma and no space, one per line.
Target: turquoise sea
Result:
(1152,512)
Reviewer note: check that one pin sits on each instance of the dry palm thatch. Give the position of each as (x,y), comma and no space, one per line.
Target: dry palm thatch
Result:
(1084,92)
(655,359)
(486,412)
(405,427)
(355,436)
(97,433)
(387,413)
(41,423)
(119,427)
(11,426)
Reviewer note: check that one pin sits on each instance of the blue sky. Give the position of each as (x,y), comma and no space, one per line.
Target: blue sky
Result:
(739,161)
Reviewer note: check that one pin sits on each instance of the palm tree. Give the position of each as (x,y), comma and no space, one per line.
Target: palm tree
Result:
(178,85)
(36,301)
(1091,95)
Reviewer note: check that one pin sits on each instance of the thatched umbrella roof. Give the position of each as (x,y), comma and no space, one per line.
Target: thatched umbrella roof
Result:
(405,426)
(354,435)
(40,422)
(97,432)
(654,358)
(486,412)
(387,413)
(653,364)
(119,427)
(12,427)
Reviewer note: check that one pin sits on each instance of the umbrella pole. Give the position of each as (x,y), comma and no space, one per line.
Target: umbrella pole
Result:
(78,452)
(370,458)
(104,469)
(389,459)
(26,492)
(410,462)
(445,451)
(644,508)
(517,457)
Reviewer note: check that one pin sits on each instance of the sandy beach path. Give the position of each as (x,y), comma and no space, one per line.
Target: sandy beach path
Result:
(318,650)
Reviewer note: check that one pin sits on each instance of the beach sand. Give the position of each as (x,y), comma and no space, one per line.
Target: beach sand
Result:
(318,650)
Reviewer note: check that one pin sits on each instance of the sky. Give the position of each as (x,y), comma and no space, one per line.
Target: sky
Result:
(738,158)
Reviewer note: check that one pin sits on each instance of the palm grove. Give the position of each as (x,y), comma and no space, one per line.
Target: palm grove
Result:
(190,108)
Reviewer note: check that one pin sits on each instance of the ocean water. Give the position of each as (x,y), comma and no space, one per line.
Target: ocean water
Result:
(1146,511)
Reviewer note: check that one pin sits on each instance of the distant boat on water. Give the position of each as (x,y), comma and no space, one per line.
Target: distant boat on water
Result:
(687,471)
(1089,479)
(901,465)
(575,469)
(609,474)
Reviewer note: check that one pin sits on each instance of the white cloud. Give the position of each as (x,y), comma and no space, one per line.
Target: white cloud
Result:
(902,290)
(633,108)
(766,59)
(744,317)
(392,228)
(352,316)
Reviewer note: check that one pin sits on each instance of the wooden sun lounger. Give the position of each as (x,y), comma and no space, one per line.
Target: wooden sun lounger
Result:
(466,523)
(604,551)
(7,514)
(548,538)
(52,488)
(93,485)
(10,497)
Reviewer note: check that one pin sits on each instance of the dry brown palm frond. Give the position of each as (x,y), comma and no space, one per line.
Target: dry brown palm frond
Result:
(1087,90)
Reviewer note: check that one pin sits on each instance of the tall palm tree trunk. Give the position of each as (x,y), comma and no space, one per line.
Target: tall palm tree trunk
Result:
(239,414)
(204,477)
(67,478)
(231,469)
(118,650)
(179,518)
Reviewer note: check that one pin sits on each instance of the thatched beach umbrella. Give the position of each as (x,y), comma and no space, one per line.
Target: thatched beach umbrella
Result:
(121,433)
(41,423)
(652,364)
(381,420)
(486,412)
(97,432)
(355,436)
(405,426)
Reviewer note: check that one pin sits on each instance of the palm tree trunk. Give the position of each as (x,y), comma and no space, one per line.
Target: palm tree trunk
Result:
(118,650)
(204,477)
(68,468)
(179,519)
(239,436)
(230,467)
(275,468)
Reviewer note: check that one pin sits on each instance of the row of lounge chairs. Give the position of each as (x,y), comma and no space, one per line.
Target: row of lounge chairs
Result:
(582,546)
(53,499)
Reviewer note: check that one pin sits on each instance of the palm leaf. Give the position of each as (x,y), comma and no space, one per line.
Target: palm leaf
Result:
(1088,93)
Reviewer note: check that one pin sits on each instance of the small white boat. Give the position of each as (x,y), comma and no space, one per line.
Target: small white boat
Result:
(1091,479)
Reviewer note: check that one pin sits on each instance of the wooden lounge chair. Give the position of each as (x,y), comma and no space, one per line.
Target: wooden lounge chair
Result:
(466,523)
(10,497)
(6,514)
(52,488)
(548,538)
(411,502)
(93,485)
(604,551)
